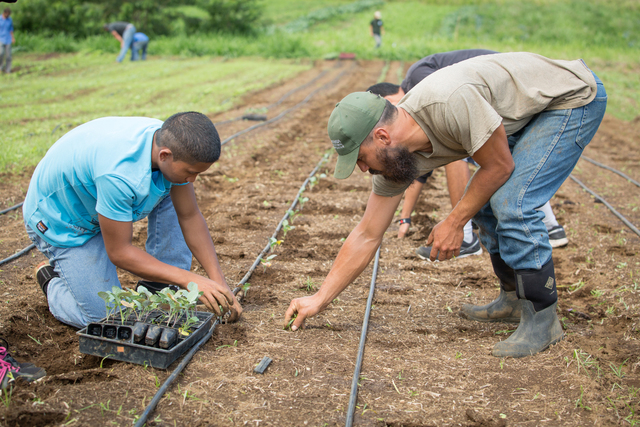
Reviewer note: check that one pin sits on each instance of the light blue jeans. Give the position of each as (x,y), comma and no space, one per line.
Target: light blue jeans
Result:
(86,270)
(127,38)
(545,153)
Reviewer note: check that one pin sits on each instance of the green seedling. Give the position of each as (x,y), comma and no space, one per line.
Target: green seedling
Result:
(286,227)
(302,201)
(617,370)
(580,401)
(35,339)
(7,394)
(105,358)
(312,182)
(288,326)
(266,262)
(293,215)
(246,287)
(273,242)
(309,284)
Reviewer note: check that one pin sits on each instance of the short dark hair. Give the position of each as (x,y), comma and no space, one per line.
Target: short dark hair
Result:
(384,89)
(191,137)
(7,10)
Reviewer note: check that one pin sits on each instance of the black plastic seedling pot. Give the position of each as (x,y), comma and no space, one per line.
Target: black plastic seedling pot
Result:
(139,342)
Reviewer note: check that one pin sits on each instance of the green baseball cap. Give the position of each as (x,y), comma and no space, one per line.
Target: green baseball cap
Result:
(349,124)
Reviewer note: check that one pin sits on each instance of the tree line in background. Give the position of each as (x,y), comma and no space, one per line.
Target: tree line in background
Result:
(81,19)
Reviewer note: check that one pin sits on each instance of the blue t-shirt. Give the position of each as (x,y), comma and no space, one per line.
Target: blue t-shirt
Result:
(140,37)
(101,167)
(6,28)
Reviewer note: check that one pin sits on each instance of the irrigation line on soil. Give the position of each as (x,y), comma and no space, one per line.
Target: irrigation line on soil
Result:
(154,402)
(363,337)
(18,254)
(282,114)
(285,217)
(612,170)
(600,199)
(11,208)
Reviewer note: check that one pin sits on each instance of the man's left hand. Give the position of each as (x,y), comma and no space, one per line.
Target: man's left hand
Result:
(445,241)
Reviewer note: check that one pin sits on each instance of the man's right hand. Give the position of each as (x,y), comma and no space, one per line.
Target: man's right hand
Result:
(300,309)
(216,295)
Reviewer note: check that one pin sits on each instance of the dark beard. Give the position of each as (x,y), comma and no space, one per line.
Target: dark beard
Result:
(398,163)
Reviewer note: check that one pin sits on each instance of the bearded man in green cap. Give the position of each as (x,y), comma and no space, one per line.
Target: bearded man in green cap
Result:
(525,119)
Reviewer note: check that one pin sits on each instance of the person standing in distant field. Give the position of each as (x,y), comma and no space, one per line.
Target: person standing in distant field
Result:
(140,42)
(123,32)
(6,39)
(377,28)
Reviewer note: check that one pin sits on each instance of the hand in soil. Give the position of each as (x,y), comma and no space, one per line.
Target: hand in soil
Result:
(216,295)
(300,309)
(235,311)
(445,239)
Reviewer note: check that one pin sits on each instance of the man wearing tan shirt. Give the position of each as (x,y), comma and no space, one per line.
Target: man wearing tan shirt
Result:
(525,119)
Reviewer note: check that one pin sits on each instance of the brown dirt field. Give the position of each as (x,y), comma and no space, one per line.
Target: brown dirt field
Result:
(423,365)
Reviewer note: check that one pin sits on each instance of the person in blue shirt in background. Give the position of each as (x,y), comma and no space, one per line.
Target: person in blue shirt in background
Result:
(6,39)
(140,42)
(97,180)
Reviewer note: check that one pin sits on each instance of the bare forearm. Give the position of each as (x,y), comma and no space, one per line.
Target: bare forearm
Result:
(197,237)
(411,196)
(482,186)
(140,263)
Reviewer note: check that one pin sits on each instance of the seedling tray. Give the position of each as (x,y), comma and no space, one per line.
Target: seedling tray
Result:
(114,340)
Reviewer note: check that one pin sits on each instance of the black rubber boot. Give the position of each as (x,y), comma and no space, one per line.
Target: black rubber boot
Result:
(505,308)
(539,325)
(44,273)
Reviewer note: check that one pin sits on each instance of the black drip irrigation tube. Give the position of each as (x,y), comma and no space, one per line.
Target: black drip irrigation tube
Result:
(187,358)
(603,201)
(631,180)
(279,227)
(2,212)
(18,254)
(282,114)
(280,101)
(363,338)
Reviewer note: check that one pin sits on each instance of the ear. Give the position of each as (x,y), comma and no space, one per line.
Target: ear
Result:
(381,136)
(165,154)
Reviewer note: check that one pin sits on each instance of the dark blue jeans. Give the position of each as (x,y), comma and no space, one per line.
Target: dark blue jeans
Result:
(545,153)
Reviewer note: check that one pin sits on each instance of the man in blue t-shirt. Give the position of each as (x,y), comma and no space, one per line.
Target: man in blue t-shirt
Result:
(97,180)
(6,39)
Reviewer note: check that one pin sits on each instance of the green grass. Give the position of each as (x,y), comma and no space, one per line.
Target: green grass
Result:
(51,96)
(192,72)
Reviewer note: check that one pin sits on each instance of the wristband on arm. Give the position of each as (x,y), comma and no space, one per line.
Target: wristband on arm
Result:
(404,221)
